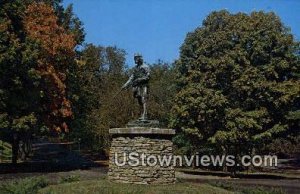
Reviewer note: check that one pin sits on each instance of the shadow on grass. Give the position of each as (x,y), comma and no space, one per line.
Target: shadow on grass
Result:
(50,158)
(42,167)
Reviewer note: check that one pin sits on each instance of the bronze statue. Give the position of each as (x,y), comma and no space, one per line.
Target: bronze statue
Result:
(139,81)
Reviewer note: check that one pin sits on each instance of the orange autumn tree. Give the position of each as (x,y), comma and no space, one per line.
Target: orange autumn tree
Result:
(57,52)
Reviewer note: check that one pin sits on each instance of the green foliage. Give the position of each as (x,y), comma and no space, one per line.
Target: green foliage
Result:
(284,146)
(71,23)
(94,81)
(17,59)
(19,92)
(24,186)
(183,144)
(162,89)
(23,99)
(238,82)
(98,104)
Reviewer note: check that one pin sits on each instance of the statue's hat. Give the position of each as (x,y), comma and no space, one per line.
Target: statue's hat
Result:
(137,55)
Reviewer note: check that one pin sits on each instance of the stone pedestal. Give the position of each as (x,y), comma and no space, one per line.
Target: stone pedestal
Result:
(136,155)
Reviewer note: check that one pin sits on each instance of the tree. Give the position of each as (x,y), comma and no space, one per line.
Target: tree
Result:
(98,103)
(162,90)
(18,92)
(95,80)
(238,82)
(70,22)
(35,54)
(56,50)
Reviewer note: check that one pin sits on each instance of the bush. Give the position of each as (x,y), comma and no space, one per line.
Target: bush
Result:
(69,179)
(24,186)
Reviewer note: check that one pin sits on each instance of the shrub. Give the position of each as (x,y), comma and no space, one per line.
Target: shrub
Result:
(69,179)
(24,186)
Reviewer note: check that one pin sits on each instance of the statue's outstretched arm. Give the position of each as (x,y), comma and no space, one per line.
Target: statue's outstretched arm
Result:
(128,83)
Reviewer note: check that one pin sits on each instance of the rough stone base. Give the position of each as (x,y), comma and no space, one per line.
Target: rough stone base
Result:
(148,141)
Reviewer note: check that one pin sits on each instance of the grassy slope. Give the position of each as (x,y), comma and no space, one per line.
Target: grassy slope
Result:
(104,186)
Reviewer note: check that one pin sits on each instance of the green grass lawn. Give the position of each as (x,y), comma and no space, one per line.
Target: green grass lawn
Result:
(104,186)
(73,185)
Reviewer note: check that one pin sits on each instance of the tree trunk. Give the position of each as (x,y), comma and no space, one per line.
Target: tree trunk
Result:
(224,152)
(15,148)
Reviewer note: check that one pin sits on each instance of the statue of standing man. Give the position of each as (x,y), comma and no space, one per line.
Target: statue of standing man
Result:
(139,81)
